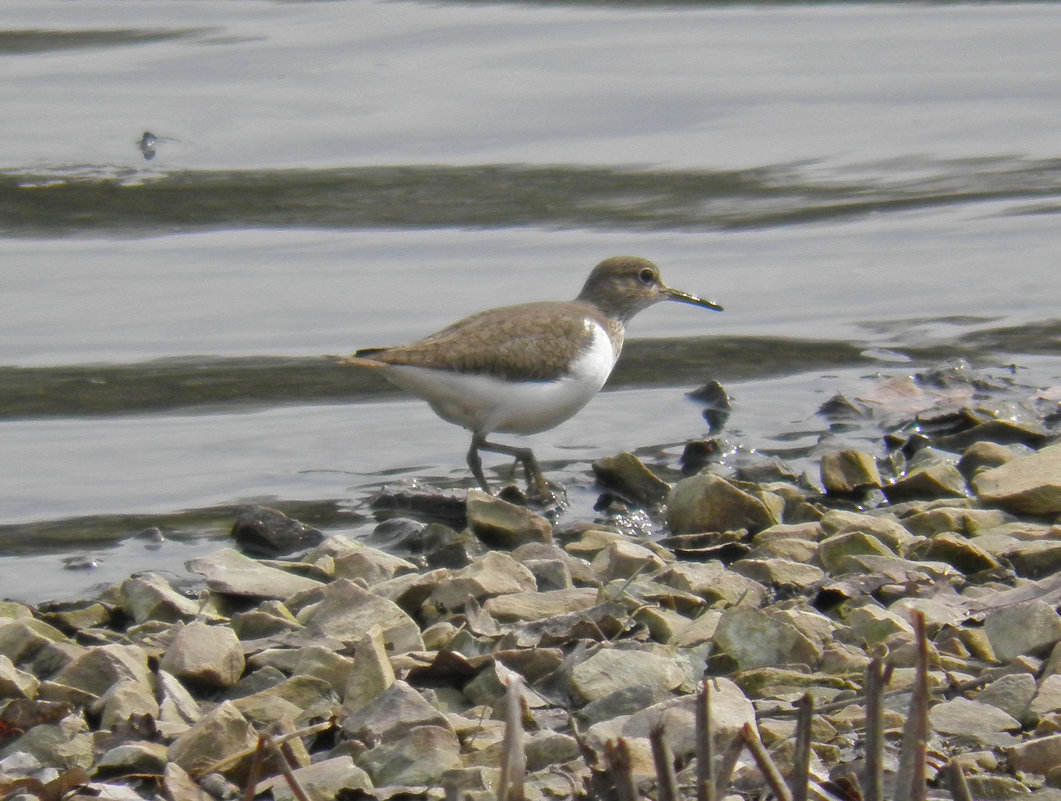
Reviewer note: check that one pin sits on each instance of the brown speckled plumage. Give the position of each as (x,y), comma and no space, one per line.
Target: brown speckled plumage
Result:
(530,342)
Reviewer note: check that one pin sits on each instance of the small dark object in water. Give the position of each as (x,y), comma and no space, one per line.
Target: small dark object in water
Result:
(268,532)
(716,403)
(840,407)
(697,454)
(147,145)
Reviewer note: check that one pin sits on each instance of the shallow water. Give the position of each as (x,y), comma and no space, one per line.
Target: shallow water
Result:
(866,188)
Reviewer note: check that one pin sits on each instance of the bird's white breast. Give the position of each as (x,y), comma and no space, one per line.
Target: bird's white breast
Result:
(486,404)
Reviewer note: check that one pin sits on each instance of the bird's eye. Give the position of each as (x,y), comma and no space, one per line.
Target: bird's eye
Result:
(647,276)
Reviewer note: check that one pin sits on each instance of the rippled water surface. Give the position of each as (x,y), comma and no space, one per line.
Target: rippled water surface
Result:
(868,189)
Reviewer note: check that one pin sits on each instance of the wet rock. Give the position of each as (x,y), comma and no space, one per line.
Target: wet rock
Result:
(444,547)
(123,701)
(268,619)
(321,781)
(622,559)
(1011,693)
(624,701)
(291,703)
(231,573)
(355,560)
(1026,485)
(537,605)
(1031,559)
(707,502)
(268,532)
(1047,700)
(76,616)
(701,630)
(149,596)
(714,583)
(956,550)
(209,656)
(848,471)
(325,664)
(15,683)
(612,669)
(982,456)
(178,710)
(348,612)
(579,570)
(1038,755)
(761,638)
(835,552)
(96,669)
(139,757)
(500,524)
(64,745)
(418,758)
(885,527)
(495,573)
(627,476)
(23,640)
(1001,431)
(730,711)
(1027,628)
(937,480)
(970,718)
(780,573)
(716,404)
(387,717)
(872,624)
(373,673)
(961,520)
(219,736)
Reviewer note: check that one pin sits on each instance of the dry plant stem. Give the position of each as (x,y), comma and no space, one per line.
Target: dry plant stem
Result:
(267,743)
(765,764)
(285,768)
(226,762)
(513,760)
(705,746)
(873,780)
(254,772)
(910,781)
(663,759)
(617,755)
(959,790)
(728,763)
(800,779)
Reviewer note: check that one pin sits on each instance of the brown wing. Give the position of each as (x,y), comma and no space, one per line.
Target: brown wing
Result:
(534,342)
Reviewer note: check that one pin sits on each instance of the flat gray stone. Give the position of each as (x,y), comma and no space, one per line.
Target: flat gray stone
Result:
(231,573)
(1025,485)
(210,656)
(760,638)
(348,612)
(612,669)
(706,502)
(962,716)
(1029,628)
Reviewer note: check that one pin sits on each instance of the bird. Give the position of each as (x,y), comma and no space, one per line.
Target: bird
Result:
(526,368)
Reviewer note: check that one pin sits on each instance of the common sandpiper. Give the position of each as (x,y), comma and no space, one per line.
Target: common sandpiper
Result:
(527,368)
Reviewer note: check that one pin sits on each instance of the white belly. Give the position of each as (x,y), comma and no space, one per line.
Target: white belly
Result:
(485,404)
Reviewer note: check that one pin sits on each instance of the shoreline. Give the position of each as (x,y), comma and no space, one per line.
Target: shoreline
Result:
(386,671)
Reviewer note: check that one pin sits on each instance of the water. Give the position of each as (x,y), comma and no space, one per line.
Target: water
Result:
(866,188)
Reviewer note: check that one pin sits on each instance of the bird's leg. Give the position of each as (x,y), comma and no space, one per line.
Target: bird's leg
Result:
(536,484)
(476,464)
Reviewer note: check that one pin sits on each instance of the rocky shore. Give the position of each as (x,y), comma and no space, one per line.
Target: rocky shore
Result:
(382,676)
